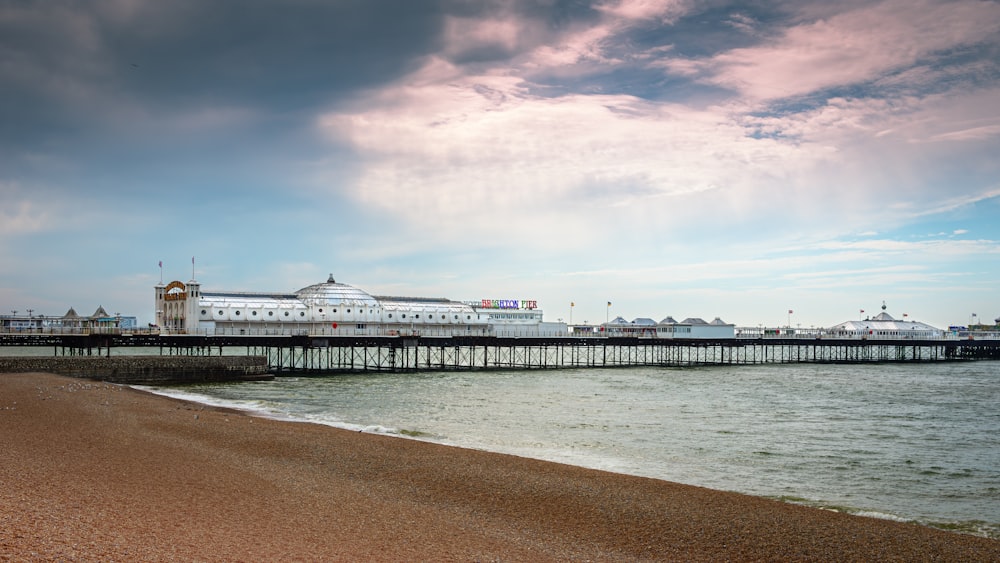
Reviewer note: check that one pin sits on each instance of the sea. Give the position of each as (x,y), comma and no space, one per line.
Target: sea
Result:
(913,442)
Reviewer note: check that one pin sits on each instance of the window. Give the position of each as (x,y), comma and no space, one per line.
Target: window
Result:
(270,313)
(204,312)
(302,313)
(286,313)
(221,313)
(237,313)
(254,313)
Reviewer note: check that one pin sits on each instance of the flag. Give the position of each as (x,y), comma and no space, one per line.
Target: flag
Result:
(609,303)
(862,310)
(161,263)
(790,311)
(571,304)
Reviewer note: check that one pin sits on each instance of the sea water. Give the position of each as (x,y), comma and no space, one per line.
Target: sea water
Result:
(910,441)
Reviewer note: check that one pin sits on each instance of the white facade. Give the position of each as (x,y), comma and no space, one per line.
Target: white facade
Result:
(339,309)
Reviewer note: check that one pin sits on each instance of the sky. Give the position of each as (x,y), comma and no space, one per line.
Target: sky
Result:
(768,163)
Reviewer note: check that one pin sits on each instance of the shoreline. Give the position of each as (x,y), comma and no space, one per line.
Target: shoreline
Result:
(983,527)
(102,471)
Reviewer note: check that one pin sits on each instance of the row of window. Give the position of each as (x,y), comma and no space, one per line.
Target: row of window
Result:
(431,316)
(513,315)
(253,313)
(303,314)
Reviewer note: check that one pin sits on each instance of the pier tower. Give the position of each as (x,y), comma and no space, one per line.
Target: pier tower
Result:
(177,306)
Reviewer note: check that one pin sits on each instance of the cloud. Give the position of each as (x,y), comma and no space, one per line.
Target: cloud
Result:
(743,22)
(471,37)
(445,147)
(662,11)
(849,48)
(22,218)
(661,146)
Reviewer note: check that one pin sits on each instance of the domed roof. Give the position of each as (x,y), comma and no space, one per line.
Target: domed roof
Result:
(333,293)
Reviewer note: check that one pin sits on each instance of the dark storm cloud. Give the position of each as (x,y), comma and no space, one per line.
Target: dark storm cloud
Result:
(72,69)
(61,61)
(284,53)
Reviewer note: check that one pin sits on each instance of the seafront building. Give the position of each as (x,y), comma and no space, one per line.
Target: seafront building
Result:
(336,308)
(884,326)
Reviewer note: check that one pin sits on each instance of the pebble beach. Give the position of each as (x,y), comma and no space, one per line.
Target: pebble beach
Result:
(97,471)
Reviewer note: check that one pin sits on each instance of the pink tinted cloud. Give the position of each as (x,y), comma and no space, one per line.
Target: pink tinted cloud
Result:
(851,47)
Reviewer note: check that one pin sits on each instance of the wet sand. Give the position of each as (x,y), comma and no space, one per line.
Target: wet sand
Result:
(94,471)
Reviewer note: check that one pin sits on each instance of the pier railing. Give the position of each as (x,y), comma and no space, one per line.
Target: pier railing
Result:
(741,333)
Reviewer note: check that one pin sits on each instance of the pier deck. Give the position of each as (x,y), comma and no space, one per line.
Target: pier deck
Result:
(332,354)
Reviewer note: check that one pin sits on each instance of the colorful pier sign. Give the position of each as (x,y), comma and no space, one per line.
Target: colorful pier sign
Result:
(508,304)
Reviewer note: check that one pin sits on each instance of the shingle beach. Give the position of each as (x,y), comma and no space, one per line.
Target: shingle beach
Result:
(94,471)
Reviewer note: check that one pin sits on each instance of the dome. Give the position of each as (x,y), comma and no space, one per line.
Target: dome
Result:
(333,293)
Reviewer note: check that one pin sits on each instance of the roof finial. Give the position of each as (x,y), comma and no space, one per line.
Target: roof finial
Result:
(883,304)
(330,279)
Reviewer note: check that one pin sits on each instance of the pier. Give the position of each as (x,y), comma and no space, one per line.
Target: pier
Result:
(315,354)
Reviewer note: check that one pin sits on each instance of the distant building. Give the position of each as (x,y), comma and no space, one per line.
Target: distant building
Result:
(70,323)
(693,327)
(884,326)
